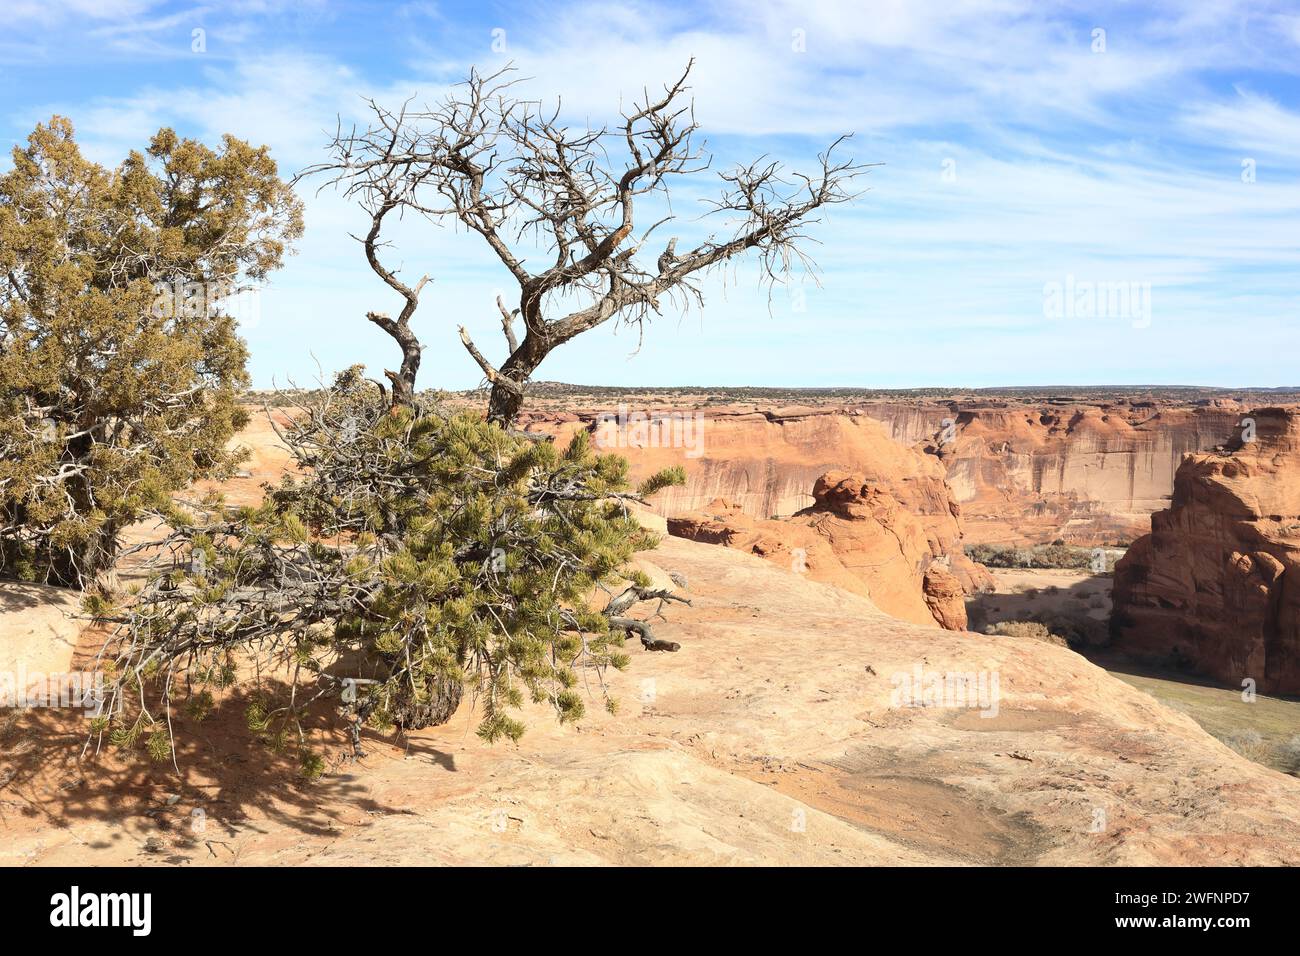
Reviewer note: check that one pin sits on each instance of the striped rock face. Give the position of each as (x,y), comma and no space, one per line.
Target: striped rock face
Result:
(1215,586)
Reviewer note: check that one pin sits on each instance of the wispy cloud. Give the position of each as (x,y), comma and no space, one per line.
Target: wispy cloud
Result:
(1023,143)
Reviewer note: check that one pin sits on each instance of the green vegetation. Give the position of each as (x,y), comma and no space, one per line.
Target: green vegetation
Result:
(114,394)
(1055,555)
(419,553)
(1263,730)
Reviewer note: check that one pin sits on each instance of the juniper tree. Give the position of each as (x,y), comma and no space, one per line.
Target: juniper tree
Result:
(119,372)
(410,553)
(510,172)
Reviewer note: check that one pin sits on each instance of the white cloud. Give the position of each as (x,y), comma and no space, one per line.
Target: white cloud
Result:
(47,12)
(1251,123)
(1103,166)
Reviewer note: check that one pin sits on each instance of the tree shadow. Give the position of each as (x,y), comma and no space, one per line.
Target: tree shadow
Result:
(225,784)
(23,596)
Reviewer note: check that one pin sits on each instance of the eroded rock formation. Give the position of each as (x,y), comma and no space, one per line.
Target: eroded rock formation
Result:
(1215,587)
(1086,474)
(858,536)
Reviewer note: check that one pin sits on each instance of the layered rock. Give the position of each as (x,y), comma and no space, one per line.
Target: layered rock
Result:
(766,464)
(1089,474)
(858,536)
(1023,472)
(1215,587)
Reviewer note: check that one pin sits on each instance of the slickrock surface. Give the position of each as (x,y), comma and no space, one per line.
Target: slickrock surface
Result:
(39,630)
(1216,584)
(769,738)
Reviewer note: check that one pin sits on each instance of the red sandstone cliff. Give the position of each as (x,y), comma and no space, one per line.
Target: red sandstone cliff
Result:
(767,463)
(858,536)
(1090,474)
(1022,472)
(1215,585)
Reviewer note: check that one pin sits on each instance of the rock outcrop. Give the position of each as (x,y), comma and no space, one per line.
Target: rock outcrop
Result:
(766,464)
(1215,586)
(858,536)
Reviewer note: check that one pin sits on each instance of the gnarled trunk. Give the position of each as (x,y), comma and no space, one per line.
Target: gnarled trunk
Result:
(436,709)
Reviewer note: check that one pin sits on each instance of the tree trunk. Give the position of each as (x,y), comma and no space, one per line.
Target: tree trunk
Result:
(505,401)
(437,709)
(503,406)
(80,567)
(404,379)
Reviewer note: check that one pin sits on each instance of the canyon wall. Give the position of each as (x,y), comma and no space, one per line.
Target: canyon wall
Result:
(889,529)
(1022,472)
(1088,474)
(767,462)
(1215,586)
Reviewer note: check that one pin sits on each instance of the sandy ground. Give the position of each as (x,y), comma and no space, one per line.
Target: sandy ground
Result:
(39,629)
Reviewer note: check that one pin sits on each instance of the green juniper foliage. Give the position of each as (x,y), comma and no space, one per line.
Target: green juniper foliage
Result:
(113,395)
(416,552)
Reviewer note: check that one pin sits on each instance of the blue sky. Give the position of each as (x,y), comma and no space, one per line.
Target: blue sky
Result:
(1018,156)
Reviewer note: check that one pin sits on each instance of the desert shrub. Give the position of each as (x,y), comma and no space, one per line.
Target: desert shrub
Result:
(1058,629)
(1289,755)
(1079,630)
(1041,556)
(1062,556)
(417,553)
(1249,743)
(1032,630)
(113,393)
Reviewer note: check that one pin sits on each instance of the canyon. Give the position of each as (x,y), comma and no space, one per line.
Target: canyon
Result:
(881,496)
(1214,587)
(1085,469)
(796,723)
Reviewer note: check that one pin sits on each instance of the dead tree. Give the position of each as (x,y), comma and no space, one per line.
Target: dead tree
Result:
(510,172)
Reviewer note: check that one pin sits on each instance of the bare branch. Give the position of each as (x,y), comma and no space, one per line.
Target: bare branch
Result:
(512,173)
